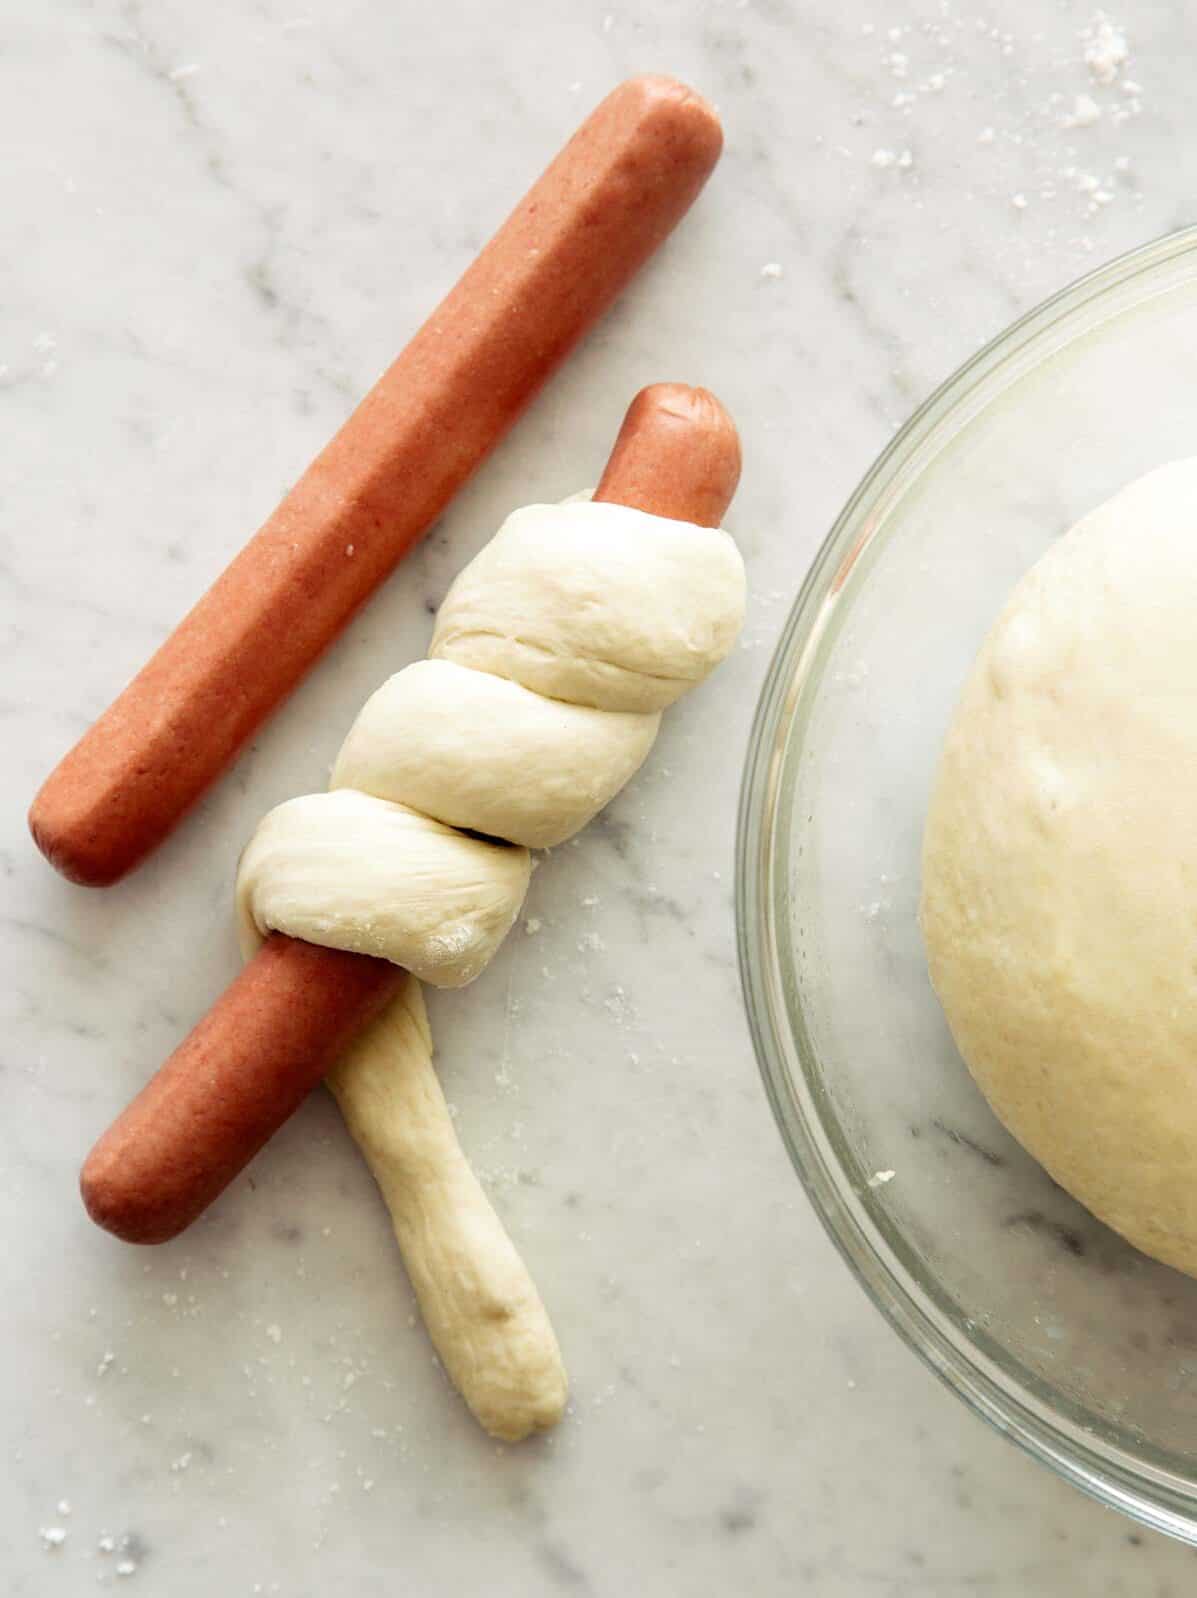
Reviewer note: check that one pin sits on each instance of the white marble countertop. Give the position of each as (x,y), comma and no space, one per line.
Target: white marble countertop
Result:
(220,223)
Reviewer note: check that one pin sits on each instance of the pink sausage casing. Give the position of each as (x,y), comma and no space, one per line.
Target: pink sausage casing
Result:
(611,196)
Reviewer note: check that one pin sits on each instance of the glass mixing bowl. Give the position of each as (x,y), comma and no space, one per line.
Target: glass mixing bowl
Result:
(1050,1326)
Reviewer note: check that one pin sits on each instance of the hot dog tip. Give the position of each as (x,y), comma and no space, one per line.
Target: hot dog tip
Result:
(103,1201)
(67,843)
(656,90)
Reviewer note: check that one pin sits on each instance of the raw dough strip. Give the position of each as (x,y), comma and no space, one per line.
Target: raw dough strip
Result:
(479,1302)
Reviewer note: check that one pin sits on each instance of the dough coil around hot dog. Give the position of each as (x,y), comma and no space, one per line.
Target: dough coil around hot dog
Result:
(554,653)
(349,871)
(597,604)
(481,752)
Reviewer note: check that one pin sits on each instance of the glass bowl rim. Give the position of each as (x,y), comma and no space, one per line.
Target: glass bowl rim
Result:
(1156,1497)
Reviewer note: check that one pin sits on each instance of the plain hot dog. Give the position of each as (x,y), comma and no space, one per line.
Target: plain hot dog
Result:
(573,243)
(281,1024)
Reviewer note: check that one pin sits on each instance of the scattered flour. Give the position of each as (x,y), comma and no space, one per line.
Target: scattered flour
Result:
(1106,49)
(1034,116)
(1085,112)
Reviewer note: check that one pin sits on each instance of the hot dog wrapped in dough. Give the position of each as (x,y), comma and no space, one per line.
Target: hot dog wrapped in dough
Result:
(419,855)
(554,654)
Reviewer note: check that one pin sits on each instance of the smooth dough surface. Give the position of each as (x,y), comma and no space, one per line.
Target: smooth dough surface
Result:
(478,751)
(1059,899)
(597,604)
(353,872)
(479,1303)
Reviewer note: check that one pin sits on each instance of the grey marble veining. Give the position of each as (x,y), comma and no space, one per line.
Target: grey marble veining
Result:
(220,223)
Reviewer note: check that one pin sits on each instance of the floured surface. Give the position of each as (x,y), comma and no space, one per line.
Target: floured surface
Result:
(276,195)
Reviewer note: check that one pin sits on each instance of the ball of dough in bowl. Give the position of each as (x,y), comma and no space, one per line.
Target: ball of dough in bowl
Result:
(1059,902)
(478,751)
(596,603)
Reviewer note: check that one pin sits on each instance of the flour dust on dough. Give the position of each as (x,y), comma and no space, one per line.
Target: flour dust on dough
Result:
(1059,902)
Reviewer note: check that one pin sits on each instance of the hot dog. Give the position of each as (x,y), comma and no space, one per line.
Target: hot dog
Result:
(572,244)
(230,1085)
(279,1027)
